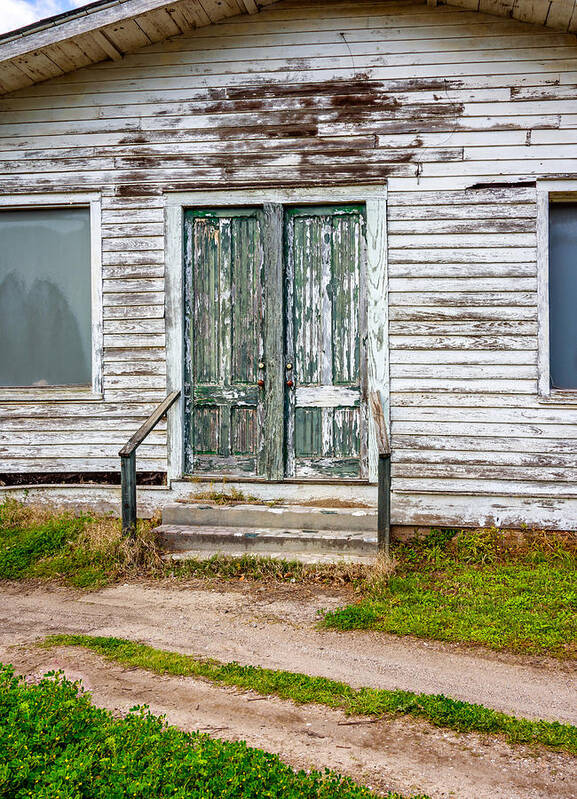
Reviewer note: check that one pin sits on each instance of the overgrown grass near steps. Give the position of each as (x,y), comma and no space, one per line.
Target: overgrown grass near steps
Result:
(301,688)
(89,552)
(55,743)
(475,587)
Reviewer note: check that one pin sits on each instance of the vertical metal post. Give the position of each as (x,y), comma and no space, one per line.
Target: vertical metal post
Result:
(128,481)
(384,504)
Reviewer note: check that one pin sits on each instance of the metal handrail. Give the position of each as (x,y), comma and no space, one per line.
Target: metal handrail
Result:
(128,462)
(384,474)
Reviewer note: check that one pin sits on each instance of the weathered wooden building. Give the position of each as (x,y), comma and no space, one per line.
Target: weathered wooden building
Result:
(277,208)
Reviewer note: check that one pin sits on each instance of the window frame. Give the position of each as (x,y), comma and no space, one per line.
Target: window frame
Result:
(92,201)
(548,192)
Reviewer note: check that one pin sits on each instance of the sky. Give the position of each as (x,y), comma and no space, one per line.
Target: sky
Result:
(16,13)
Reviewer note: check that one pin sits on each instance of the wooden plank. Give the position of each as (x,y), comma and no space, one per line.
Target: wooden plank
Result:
(328,396)
(378,415)
(271,455)
(403,353)
(250,6)
(463,386)
(378,303)
(486,472)
(55,438)
(465,328)
(75,451)
(431,313)
(465,372)
(463,344)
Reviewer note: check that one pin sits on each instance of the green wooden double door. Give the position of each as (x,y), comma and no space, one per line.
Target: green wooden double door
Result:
(275,340)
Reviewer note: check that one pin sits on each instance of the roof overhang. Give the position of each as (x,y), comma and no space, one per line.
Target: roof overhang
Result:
(104,30)
(109,29)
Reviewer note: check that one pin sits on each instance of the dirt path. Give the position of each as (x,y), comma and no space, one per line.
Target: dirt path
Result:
(276,628)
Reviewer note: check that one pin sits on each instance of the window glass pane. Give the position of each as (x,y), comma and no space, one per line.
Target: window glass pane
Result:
(563,294)
(45,306)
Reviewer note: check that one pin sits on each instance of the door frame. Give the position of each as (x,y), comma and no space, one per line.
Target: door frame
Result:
(375,200)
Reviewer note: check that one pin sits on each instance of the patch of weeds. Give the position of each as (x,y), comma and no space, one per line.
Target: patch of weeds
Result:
(55,743)
(476,546)
(231,496)
(380,574)
(301,688)
(223,497)
(86,551)
(261,568)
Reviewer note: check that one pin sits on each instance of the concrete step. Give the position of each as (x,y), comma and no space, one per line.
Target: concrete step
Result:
(283,542)
(301,557)
(289,517)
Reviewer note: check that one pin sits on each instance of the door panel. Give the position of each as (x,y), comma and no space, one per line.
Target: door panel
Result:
(224,338)
(325,407)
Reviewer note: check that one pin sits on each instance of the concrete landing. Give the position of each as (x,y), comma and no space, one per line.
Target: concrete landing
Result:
(292,517)
(310,558)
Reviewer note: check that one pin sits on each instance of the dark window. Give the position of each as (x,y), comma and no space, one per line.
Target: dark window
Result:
(45,299)
(563,295)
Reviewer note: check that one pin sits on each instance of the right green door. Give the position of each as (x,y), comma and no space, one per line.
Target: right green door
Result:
(325,342)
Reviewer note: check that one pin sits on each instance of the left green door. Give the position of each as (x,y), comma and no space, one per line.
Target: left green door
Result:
(224,341)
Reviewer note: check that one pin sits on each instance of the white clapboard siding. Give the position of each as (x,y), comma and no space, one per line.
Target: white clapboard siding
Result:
(437,102)
(465,357)
(59,465)
(108,438)
(458,385)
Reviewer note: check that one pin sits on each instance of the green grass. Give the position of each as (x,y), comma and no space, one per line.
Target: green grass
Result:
(437,709)
(55,744)
(476,588)
(85,550)
(21,549)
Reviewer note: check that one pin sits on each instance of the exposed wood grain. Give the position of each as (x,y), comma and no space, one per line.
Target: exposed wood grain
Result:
(377,318)
(378,415)
(325,256)
(271,454)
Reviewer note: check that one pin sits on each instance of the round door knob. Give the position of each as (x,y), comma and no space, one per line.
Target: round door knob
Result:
(260,384)
(261,365)
(289,366)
